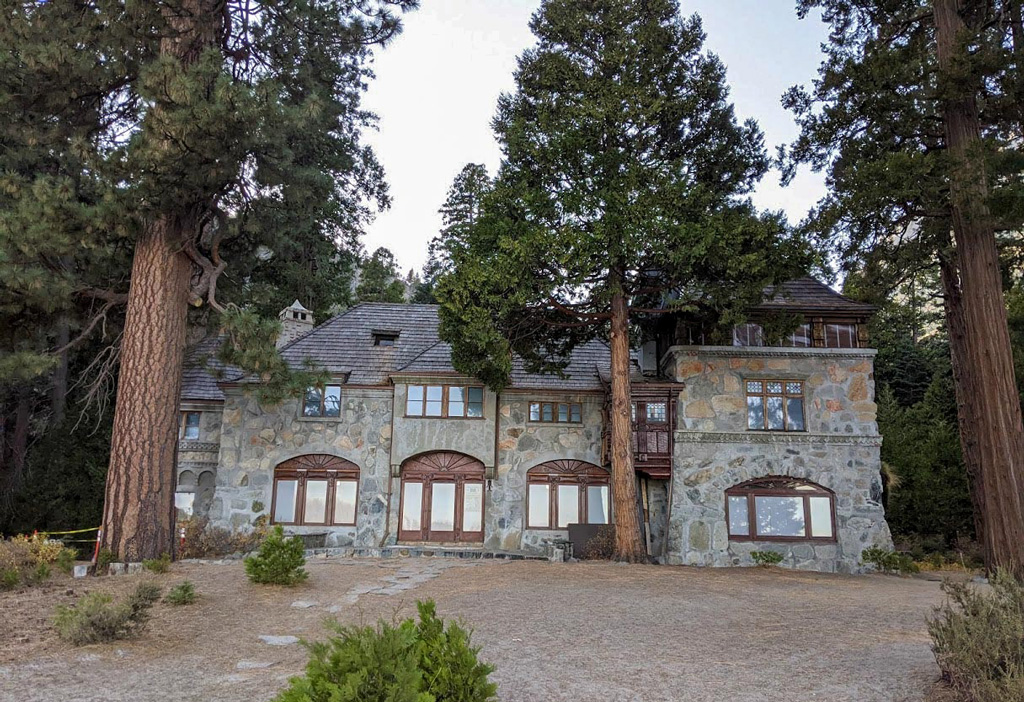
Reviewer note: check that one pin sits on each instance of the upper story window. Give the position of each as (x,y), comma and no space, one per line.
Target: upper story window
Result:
(315,489)
(780,509)
(451,401)
(841,336)
(775,405)
(385,338)
(752,334)
(190,426)
(322,402)
(568,412)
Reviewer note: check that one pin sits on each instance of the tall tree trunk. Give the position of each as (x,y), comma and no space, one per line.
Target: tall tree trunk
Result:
(138,513)
(12,478)
(998,430)
(629,545)
(965,383)
(59,390)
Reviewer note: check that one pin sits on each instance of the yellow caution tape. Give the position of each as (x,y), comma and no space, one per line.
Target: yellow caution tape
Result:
(76,531)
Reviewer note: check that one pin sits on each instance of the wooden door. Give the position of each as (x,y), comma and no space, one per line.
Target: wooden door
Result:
(442,499)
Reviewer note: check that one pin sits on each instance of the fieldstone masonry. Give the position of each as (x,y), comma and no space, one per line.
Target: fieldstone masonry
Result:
(714,451)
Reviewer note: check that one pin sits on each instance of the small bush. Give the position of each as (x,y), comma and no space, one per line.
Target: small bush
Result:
(103,560)
(410,662)
(158,565)
(978,639)
(9,578)
(600,546)
(279,561)
(183,593)
(95,618)
(888,561)
(65,562)
(766,559)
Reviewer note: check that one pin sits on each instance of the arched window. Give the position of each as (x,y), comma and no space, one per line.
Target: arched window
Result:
(560,493)
(315,489)
(780,509)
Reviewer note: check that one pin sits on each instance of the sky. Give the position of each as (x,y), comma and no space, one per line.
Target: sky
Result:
(437,87)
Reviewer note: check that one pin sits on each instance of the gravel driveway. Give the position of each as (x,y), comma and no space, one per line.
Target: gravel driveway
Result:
(586,631)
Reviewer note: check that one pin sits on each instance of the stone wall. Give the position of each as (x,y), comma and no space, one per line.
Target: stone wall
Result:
(522,445)
(255,439)
(415,435)
(197,459)
(714,451)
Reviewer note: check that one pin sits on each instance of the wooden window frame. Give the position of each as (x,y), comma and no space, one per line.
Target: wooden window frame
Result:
(445,394)
(854,333)
(764,395)
(323,400)
(555,473)
(389,339)
(763,487)
(330,470)
(183,435)
(540,404)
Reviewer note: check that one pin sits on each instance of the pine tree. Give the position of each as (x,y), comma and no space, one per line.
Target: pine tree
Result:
(916,116)
(206,125)
(379,279)
(621,196)
(459,213)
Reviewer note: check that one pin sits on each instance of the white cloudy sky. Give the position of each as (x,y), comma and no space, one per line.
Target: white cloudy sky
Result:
(438,83)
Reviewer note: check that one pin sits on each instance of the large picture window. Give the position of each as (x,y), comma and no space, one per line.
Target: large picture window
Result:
(450,401)
(780,509)
(316,489)
(775,405)
(841,336)
(322,402)
(560,493)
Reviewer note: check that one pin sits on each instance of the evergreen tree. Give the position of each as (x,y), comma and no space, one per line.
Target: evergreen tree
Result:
(180,129)
(459,214)
(379,279)
(621,197)
(916,118)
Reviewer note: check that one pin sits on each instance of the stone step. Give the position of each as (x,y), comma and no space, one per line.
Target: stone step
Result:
(400,551)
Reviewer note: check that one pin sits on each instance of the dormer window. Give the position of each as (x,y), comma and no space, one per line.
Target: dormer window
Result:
(385,338)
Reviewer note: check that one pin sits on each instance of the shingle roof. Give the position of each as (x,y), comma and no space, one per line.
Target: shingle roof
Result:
(808,294)
(345,344)
(199,376)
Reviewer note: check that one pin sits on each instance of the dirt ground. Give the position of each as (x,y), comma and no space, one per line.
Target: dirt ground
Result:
(581,631)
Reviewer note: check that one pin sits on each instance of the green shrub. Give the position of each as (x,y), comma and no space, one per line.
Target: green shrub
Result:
(42,572)
(103,560)
(766,559)
(181,594)
(410,662)
(9,578)
(886,561)
(978,639)
(95,617)
(278,562)
(65,562)
(158,565)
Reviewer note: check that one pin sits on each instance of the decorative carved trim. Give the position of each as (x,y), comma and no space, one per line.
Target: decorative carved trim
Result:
(736,437)
(210,446)
(443,462)
(318,462)
(568,467)
(764,352)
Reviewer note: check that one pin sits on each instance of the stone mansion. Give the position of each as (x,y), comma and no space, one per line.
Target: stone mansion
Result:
(737,448)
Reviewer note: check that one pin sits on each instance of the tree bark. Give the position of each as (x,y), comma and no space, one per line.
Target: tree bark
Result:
(59,390)
(629,545)
(138,514)
(990,388)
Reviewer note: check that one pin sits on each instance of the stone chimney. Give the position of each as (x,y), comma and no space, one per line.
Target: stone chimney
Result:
(296,320)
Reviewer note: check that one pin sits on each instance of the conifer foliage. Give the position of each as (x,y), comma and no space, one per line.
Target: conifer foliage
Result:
(621,196)
(173,134)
